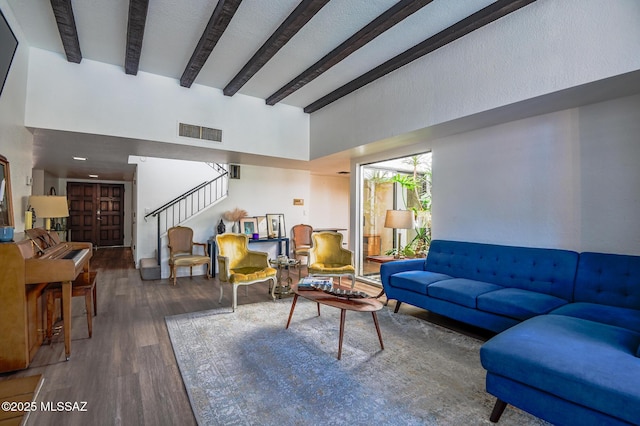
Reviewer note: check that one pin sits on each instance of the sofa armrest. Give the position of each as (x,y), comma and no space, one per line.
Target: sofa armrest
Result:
(390,268)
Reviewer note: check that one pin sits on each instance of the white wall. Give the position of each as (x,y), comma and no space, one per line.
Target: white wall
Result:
(260,190)
(159,181)
(513,184)
(543,48)
(16,143)
(329,205)
(568,179)
(101,99)
(609,158)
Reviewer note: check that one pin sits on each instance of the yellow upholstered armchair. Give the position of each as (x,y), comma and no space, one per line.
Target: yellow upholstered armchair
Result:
(181,251)
(328,258)
(240,266)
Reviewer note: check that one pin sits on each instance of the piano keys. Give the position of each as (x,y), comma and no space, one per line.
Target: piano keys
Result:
(26,267)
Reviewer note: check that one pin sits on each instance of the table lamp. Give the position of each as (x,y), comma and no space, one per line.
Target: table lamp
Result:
(49,207)
(399,219)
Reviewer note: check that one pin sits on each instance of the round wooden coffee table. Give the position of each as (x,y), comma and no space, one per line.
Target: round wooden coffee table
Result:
(366,304)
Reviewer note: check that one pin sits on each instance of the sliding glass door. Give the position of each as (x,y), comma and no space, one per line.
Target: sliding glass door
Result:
(388,189)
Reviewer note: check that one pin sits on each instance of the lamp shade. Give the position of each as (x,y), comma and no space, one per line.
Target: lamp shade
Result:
(49,206)
(399,219)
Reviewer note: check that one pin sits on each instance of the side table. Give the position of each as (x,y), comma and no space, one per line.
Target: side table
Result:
(283,264)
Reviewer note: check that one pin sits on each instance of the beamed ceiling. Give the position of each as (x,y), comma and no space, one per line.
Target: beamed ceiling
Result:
(236,28)
(306,53)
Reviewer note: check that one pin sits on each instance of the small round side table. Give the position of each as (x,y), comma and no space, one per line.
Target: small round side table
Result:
(283,264)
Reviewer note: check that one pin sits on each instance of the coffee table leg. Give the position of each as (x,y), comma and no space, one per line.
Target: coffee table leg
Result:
(342,315)
(293,306)
(375,321)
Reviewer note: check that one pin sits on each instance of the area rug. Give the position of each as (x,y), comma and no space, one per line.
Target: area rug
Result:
(246,368)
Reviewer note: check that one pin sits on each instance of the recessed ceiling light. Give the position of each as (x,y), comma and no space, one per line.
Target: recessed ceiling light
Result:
(93,176)
(80,158)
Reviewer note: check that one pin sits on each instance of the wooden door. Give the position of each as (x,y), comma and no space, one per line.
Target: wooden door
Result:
(82,211)
(96,213)
(110,215)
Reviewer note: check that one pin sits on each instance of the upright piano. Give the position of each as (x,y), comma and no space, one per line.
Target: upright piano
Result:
(26,267)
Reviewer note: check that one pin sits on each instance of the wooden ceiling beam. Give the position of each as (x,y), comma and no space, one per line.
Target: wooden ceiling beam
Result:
(477,20)
(135,33)
(382,23)
(220,19)
(294,22)
(67,28)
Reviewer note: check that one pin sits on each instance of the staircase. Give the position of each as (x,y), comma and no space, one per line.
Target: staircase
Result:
(181,209)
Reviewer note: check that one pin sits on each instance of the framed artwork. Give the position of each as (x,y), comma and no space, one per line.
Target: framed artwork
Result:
(249,225)
(275,225)
(262,226)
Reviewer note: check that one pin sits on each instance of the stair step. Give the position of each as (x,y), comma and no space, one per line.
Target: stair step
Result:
(149,269)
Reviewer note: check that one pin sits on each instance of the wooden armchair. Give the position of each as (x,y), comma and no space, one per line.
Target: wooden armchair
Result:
(181,251)
(301,241)
(240,266)
(328,258)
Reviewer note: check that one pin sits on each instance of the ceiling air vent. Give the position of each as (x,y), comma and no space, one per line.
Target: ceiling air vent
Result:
(211,134)
(199,132)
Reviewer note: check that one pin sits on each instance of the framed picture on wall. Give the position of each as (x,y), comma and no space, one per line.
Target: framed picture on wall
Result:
(275,225)
(263,232)
(249,225)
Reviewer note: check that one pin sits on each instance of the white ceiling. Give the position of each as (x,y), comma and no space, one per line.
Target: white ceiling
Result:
(172,31)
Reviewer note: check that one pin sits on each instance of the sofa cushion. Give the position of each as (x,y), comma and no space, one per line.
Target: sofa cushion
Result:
(517,303)
(460,291)
(549,271)
(582,361)
(612,315)
(416,281)
(608,279)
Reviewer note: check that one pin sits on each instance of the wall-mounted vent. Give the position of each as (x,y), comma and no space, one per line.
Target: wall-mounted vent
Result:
(199,132)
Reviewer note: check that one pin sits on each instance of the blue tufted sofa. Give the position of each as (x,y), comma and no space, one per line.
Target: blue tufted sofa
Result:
(568,348)
(490,286)
(580,364)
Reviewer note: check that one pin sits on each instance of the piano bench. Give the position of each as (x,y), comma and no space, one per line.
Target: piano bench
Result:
(82,286)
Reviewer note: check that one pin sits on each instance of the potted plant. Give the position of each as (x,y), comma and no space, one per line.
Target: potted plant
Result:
(418,199)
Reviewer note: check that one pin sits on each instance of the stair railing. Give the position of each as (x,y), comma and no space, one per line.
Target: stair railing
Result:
(189,204)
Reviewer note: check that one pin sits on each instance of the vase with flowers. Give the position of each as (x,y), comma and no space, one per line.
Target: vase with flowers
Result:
(234,216)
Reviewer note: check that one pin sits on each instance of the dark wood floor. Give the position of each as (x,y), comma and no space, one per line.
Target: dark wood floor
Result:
(127,373)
